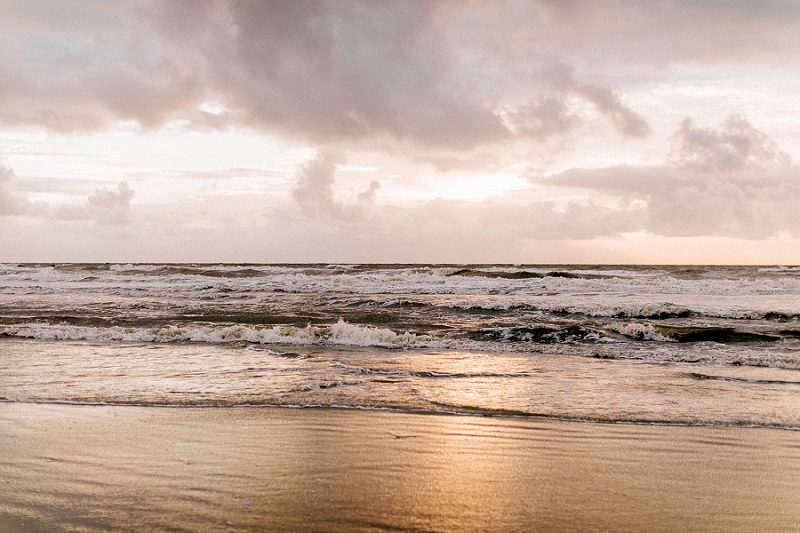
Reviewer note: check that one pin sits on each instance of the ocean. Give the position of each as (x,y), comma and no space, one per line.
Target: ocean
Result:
(675,345)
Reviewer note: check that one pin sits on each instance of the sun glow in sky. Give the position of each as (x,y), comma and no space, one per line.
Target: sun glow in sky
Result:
(412,131)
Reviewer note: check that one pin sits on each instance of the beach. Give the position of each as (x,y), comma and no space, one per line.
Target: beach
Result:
(420,398)
(422,267)
(129,468)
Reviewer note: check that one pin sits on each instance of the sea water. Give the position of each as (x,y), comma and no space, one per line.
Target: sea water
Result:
(639,344)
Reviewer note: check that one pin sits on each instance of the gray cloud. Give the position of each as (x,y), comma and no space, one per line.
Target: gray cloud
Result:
(548,114)
(370,193)
(732,181)
(471,85)
(541,118)
(737,145)
(81,67)
(324,72)
(609,103)
(327,72)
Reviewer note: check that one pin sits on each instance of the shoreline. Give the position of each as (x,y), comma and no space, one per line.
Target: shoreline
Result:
(131,468)
(480,413)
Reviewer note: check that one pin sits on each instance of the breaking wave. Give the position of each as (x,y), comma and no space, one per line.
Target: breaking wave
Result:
(651,332)
(340,333)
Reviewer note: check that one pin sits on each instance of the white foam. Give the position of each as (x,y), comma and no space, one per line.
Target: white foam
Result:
(416,280)
(780,269)
(646,332)
(340,333)
(344,333)
(631,306)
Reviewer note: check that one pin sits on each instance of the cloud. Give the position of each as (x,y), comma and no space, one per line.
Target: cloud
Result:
(549,113)
(314,190)
(111,207)
(643,33)
(436,74)
(109,199)
(421,69)
(730,181)
(86,67)
(10,204)
(455,85)
(105,206)
(314,181)
(348,71)
(330,72)
(370,193)
(609,103)
(540,118)
(737,145)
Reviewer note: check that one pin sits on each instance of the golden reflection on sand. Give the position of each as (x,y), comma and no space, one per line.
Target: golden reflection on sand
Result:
(83,468)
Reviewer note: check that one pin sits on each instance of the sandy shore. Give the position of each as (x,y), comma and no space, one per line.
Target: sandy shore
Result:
(84,468)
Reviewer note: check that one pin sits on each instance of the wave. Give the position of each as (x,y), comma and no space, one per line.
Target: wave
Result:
(661,310)
(609,308)
(651,332)
(781,269)
(645,332)
(540,334)
(569,339)
(467,272)
(416,279)
(215,271)
(340,333)
(524,274)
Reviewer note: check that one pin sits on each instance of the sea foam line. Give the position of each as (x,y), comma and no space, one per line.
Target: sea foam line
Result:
(340,333)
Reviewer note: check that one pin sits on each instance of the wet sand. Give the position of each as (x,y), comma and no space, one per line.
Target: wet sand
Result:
(91,468)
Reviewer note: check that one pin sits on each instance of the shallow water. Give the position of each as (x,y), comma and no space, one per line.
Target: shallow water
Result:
(674,345)
(453,381)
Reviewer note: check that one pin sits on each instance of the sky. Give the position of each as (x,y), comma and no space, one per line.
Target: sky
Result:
(451,131)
